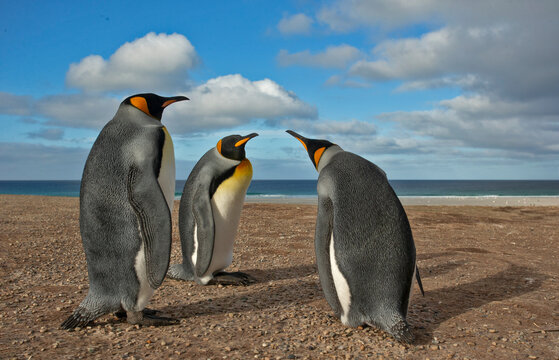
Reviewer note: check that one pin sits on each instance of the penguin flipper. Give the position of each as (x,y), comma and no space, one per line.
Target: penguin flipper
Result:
(205,230)
(322,237)
(154,217)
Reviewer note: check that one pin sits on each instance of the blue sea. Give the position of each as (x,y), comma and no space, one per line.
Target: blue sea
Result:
(307,188)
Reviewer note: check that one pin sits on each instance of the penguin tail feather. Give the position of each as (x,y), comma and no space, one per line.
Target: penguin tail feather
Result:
(80,317)
(418,278)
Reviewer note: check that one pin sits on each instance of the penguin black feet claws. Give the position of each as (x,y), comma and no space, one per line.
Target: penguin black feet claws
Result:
(121,314)
(177,272)
(402,332)
(147,319)
(232,278)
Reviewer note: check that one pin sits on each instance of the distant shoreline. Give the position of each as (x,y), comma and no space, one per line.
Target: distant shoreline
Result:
(406,200)
(429,200)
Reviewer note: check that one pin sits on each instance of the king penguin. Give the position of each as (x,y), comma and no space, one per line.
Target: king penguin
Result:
(209,214)
(126,198)
(363,242)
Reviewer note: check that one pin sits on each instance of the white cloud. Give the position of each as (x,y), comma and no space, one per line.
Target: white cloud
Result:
(155,62)
(346,15)
(48,134)
(330,128)
(333,57)
(221,103)
(517,129)
(11,104)
(232,100)
(500,47)
(22,161)
(77,110)
(344,81)
(295,24)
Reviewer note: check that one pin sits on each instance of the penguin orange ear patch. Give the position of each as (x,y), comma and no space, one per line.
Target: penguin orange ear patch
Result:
(318,155)
(140,103)
(218,146)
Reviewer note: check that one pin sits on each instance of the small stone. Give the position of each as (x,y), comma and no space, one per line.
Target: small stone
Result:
(492,331)
(434,347)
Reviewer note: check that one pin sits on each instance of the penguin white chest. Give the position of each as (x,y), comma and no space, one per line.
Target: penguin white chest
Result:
(166,178)
(227,203)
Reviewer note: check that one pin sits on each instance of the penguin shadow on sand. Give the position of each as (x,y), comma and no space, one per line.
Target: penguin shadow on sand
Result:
(282,273)
(260,297)
(439,305)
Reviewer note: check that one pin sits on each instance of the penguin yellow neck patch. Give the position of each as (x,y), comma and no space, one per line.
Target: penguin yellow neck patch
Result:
(244,168)
(317,155)
(140,103)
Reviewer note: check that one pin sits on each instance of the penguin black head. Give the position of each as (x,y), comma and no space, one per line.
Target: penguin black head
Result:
(314,147)
(233,146)
(152,104)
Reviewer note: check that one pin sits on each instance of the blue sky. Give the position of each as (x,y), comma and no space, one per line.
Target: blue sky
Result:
(425,89)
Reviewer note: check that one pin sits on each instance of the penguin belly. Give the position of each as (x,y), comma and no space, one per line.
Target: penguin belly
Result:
(166,180)
(227,203)
(340,283)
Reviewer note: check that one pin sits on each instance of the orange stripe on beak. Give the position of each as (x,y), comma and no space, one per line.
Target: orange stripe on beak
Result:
(302,142)
(167,103)
(241,142)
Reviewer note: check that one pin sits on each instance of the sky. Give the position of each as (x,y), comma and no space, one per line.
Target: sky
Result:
(425,89)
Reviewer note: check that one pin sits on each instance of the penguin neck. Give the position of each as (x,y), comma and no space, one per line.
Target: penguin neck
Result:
(327,156)
(129,112)
(226,162)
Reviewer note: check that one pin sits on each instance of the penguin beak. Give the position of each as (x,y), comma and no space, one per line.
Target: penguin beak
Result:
(173,100)
(302,139)
(245,139)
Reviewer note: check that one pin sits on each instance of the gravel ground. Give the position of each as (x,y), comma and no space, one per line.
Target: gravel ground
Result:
(491,276)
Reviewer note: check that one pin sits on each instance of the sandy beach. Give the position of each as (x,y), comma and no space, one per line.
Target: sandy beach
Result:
(490,273)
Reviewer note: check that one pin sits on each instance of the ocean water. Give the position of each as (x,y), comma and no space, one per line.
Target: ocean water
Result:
(307,188)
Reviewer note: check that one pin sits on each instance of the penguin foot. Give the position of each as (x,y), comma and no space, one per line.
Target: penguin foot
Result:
(177,272)
(121,314)
(141,318)
(402,332)
(232,278)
